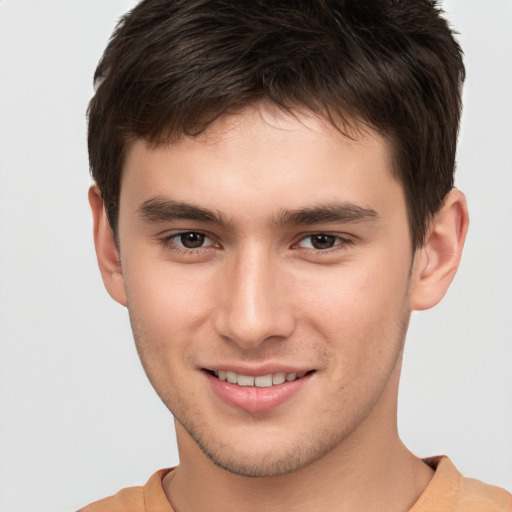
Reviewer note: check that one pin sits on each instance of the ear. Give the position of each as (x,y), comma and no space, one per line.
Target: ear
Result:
(436,262)
(106,249)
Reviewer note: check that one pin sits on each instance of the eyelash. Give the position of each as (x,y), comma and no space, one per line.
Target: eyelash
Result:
(170,242)
(340,243)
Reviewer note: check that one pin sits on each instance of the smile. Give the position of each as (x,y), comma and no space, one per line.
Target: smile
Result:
(257,393)
(261,381)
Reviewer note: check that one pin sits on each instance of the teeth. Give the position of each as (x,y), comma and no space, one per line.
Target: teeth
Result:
(265,381)
(231,377)
(262,381)
(278,378)
(245,380)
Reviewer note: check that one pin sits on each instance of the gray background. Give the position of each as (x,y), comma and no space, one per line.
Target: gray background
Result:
(78,417)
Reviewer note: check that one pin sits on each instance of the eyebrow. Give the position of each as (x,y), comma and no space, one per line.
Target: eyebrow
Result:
(332,212)
(160,209)
(163,209)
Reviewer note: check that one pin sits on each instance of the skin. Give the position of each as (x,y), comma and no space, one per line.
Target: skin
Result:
(259,292)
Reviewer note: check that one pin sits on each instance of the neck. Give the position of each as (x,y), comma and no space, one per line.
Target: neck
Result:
(371,470)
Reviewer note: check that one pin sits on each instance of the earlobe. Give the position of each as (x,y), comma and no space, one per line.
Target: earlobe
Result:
(106,249)
(437,261)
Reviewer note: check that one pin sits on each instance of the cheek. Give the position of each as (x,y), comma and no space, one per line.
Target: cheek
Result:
(168,295)
(167,309)
(362,314)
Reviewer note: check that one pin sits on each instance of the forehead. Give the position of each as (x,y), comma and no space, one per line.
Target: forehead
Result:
(263,160)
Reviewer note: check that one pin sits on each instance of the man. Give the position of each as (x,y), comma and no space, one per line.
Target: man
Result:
(274,196)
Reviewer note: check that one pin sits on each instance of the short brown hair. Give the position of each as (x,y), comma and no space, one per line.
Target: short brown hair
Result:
(174,66)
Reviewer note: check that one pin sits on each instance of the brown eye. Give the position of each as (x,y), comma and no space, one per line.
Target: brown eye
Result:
(192,240)
(323,241)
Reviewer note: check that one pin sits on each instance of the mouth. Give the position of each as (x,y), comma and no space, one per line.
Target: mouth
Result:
(258,381)
(261,392)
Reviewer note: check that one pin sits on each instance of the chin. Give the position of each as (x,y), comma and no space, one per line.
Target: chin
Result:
(277,457)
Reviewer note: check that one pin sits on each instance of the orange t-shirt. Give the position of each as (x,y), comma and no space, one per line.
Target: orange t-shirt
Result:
(448,491)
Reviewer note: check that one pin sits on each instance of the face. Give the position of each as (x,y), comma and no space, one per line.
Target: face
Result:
(267,267)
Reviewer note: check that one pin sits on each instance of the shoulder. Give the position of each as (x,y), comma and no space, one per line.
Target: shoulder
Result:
(488,497)
(130,499)
(449,491)
(135,499)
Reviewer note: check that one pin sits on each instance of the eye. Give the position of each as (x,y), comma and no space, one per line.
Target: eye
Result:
(187,240)
(191,240)
(321,241)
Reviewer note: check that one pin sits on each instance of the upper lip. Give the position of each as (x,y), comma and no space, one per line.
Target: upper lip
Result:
(255,371)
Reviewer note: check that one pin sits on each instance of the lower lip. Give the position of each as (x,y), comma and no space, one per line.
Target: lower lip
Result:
(254,399)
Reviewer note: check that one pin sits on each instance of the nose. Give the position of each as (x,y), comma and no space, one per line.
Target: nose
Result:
(253,305)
